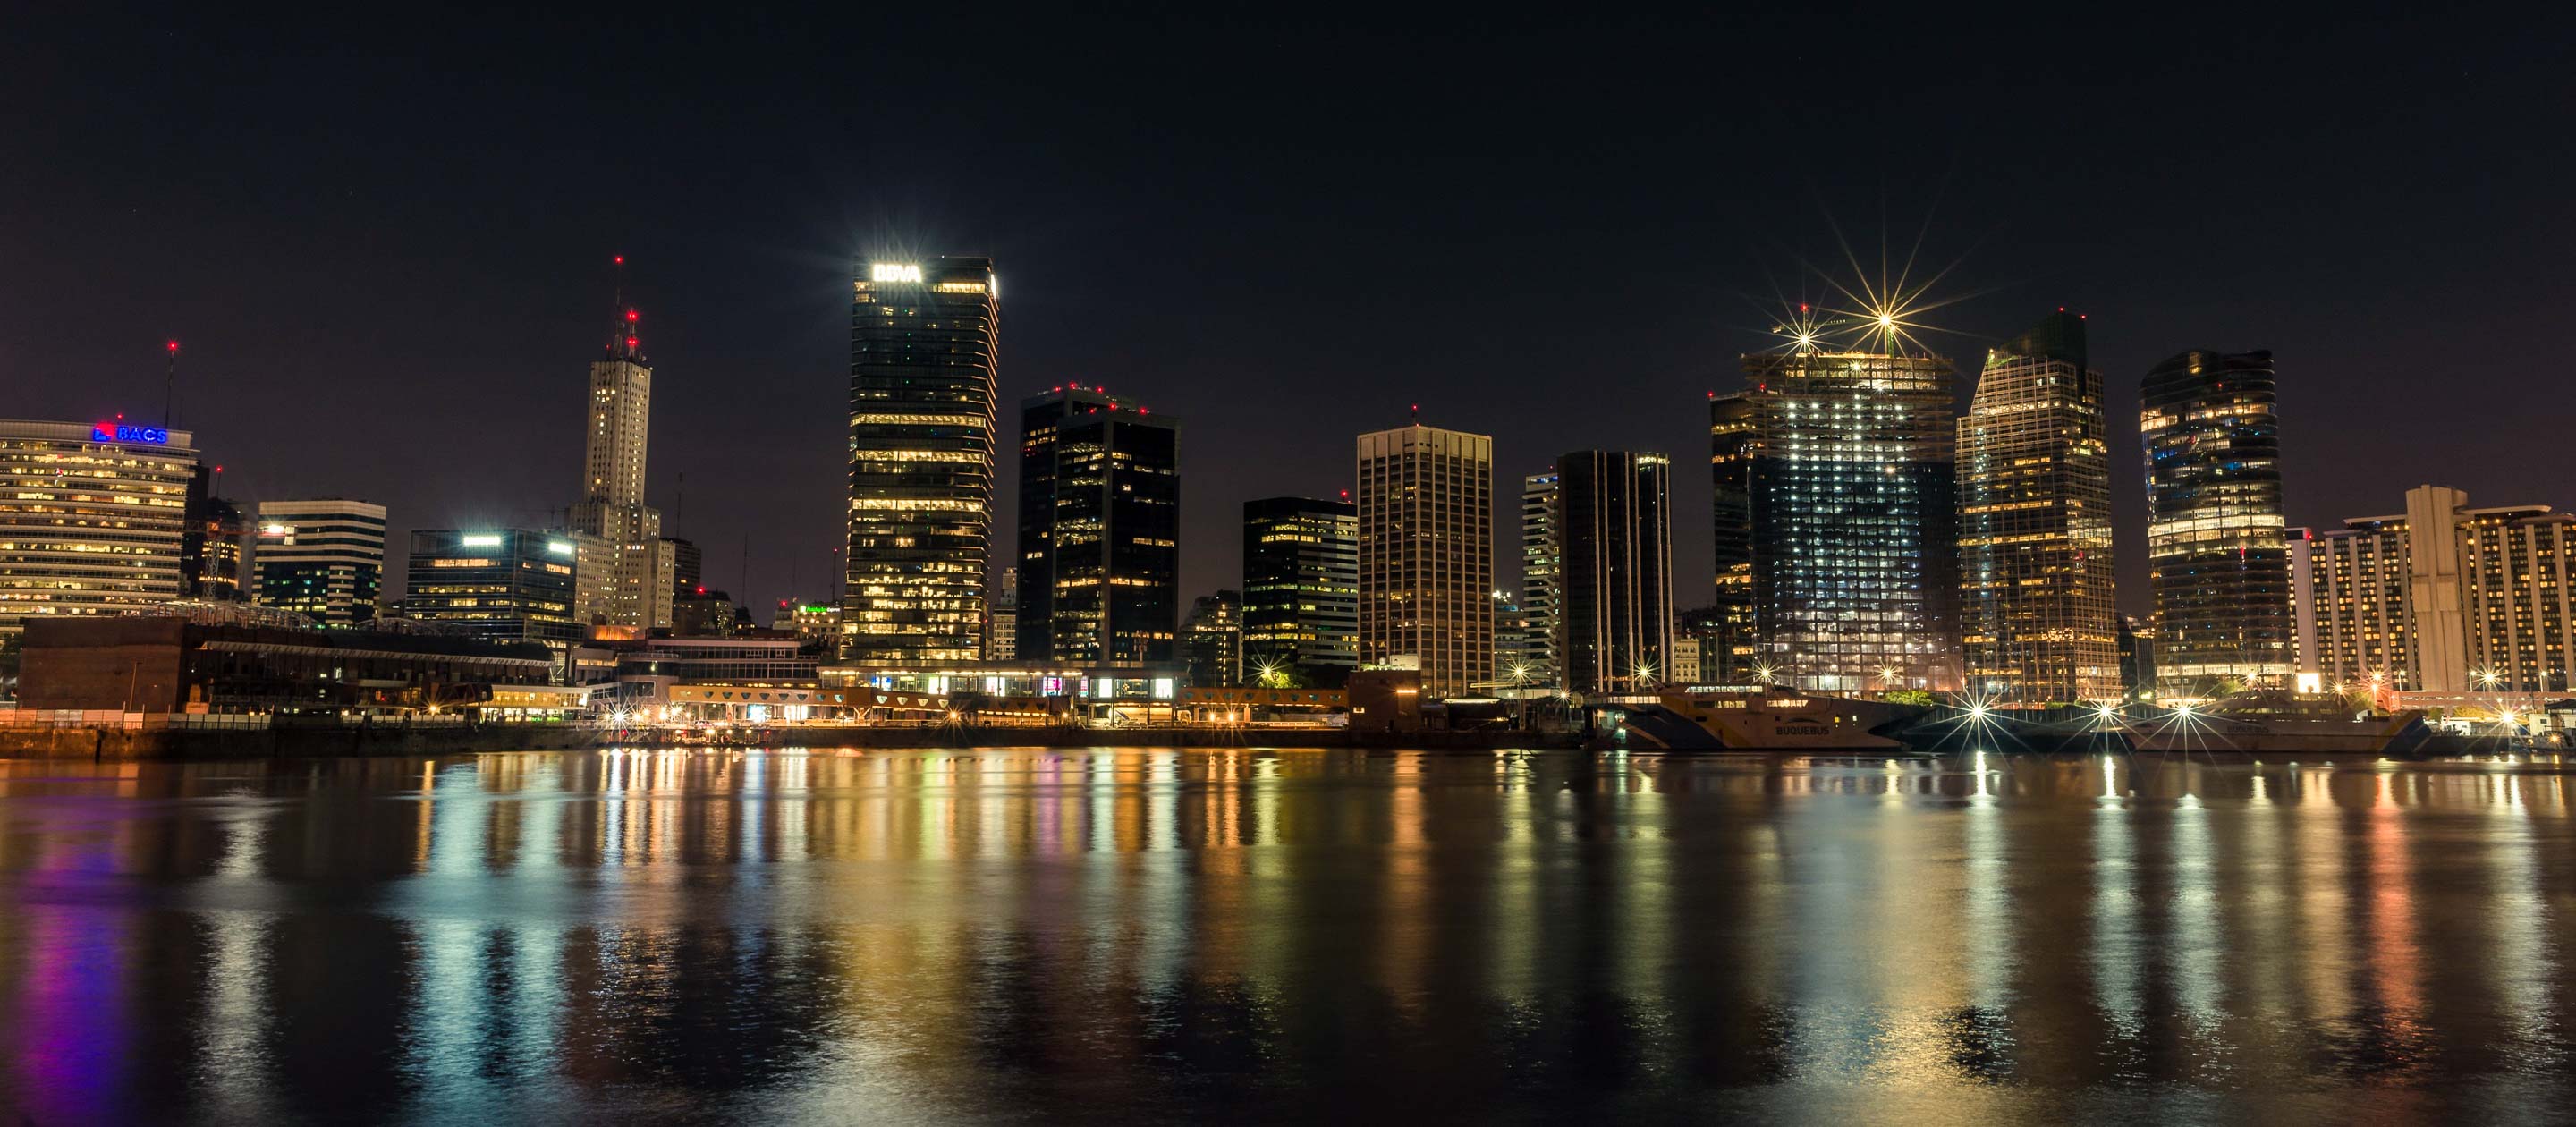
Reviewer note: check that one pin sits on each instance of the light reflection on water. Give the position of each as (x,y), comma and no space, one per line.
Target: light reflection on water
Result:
(966,935)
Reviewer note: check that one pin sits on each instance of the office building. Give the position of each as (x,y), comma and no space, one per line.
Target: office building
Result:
(1301,587)
(214,551)
(2441,598)
(323,558)
(1614,633)
(688,566)
(924,339)
(1426,555)
(627,579)
(93,517)
(1100,512)
(500,585)
(1521,646)
(1532,640)
(1848,516)
(1212,640)
(2216,558)
(1002,625)
(2137,658)
(2037,622)
(1730,646)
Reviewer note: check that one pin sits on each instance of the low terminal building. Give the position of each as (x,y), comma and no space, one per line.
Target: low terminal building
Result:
(1254,706)
(1112,693)
(170,663)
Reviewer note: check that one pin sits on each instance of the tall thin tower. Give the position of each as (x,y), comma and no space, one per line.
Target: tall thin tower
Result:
(631,585)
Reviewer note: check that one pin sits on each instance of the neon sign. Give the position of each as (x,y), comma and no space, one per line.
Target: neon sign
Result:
(119,432)
(894,272)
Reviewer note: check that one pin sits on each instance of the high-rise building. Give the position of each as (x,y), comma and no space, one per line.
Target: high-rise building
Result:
(1614,528)
(1426,552)
(2442,597)
(500,584)
(2216,557)
(1534,641)
(1100,517)
(213,550)
(1301,586)
(1849,517)
(688,567)
(1730,646)
(92,517)
(627,580)
(1521,646)
(322,558)
(2137,658)
(924,342)
(2037,621)
(1212,640)
(1002,632)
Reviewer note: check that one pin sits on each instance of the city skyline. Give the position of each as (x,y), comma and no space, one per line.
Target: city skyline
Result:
(293,364)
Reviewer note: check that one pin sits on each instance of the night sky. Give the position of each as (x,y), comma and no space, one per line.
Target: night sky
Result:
(386,244)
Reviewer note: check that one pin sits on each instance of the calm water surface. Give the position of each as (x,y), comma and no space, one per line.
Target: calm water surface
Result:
(1235,935)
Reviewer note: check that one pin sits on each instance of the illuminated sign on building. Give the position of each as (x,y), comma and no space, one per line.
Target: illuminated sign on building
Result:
(119,432)
(480,541)
(559,547)
(895,272)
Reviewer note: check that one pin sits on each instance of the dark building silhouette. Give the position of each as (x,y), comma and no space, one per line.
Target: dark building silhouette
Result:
(1100,506)
(1614,530)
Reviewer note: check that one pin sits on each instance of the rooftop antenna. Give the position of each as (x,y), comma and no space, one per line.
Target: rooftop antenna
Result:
(624,326)
(170,388)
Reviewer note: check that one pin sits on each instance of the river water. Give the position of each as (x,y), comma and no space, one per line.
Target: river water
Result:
(1253,936)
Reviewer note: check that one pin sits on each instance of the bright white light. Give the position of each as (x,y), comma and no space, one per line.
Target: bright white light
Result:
(480,541)
(894,272)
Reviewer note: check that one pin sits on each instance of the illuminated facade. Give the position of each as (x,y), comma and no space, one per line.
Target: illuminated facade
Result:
(1100,513)
(1614,532)
(1426,553)
(1532,641)
(324,559)
(2037,622)
(500,585)
(1730,646)
(924,342)
(2442,598)
(1849,518)
(92,517)
(627,580)
(1301,584)
(2216,557)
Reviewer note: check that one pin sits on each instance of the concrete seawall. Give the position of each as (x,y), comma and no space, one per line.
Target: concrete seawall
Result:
(292,742)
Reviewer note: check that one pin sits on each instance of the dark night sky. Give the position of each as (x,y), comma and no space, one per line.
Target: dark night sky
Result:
(385,246)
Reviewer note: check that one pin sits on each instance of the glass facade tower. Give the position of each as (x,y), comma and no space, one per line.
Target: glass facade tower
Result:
(1301,585)
(924,341)
(2217,559)
(1614,529)
(1851,518)
(1542,599)
(2037,621)
(1730,645)
(1100,505)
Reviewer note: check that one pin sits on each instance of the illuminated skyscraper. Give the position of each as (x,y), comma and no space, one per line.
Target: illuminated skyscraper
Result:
(629,567)
(924,342)
(92,517)
(1614,529)
(499,584)
(2441,597)
(213,551)
(321,558)
(1426,521)
(1100,513)
(2037,620)
(1541,597)
(2217,561)
(1851,518)
(1301,586)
